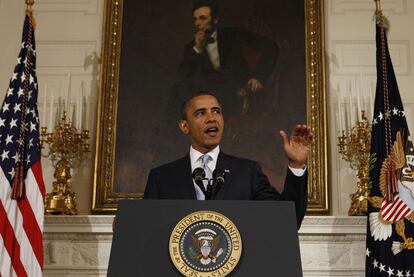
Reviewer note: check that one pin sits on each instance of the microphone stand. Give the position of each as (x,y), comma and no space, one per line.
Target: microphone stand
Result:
(209,193)
(201,186)
(213,185)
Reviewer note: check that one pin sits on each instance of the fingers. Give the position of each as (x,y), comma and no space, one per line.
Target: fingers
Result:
(284,137)
(307,132)
(250,84)
(310,134)
(200,40)
(258,86)
(297,130)
(303,131)
(200,35)
(254,84)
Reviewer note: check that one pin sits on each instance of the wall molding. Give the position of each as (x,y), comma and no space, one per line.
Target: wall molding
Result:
(345,7)
(353,56)
(88,7)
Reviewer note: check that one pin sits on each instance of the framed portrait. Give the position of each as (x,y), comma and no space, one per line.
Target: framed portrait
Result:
(148,70)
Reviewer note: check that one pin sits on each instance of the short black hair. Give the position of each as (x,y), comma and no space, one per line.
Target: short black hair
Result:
(184,105)
(207,3)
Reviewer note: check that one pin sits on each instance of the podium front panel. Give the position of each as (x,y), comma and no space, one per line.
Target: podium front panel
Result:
(140,244)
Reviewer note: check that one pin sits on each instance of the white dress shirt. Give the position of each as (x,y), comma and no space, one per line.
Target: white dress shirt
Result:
(197,162)
(212,51)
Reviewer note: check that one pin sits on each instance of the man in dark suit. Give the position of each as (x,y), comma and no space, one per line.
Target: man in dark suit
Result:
(232,62)
(203,122)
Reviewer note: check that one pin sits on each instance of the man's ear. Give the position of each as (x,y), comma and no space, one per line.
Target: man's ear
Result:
(182,124)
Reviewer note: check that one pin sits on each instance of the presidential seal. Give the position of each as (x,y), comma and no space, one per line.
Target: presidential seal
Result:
(205,244)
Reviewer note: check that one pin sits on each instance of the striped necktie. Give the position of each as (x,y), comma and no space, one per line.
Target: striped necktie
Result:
(204,161)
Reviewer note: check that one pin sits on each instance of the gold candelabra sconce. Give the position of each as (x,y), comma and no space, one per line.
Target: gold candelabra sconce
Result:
(355,147)
(67,148)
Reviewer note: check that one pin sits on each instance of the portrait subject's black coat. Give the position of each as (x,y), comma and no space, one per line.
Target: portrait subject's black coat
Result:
(243,55)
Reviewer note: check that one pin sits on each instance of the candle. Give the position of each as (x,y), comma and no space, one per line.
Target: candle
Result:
(51,111)
(342,110)
(43,119)
(87,102)
(339,113)
(339,98)
(80,106)
(359,94)
(62,112)
(351,112)
(346,117)
(68,94)
(58,111)
(73,115)
(84,112)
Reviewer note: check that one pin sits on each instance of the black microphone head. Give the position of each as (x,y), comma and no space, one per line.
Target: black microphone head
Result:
(199,174)
(219,175)
(218,182)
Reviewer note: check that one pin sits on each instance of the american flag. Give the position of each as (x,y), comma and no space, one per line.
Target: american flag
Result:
(22,190)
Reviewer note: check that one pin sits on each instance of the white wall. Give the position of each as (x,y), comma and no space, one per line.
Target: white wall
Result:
(69,33)
(350,40)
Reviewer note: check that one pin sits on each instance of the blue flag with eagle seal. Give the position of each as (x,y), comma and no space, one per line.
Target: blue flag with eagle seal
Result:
(390,230)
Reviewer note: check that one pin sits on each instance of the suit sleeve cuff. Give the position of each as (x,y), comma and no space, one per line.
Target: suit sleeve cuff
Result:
(298,172)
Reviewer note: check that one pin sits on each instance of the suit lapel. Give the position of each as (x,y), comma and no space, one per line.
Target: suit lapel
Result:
(223,162)
(184,179)
(222,49)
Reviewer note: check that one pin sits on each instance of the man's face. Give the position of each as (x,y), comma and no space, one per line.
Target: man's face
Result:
(204,123)
(203,20)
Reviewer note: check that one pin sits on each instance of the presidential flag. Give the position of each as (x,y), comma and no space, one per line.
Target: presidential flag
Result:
(22,190)
(390,232)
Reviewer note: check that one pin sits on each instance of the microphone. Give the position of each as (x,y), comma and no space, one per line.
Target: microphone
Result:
(199,176)
(219,176)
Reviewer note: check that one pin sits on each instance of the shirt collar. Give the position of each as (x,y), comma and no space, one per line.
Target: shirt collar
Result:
(195,155)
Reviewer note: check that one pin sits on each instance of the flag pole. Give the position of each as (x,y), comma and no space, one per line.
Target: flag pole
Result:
(29,4)
(18,185)
(378,5)
(29,11)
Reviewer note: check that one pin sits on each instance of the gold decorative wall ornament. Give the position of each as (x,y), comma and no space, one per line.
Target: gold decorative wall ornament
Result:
(67,147)
(29,3)
(355,148)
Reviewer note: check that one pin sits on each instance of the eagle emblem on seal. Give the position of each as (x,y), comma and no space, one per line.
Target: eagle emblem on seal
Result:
(205,246)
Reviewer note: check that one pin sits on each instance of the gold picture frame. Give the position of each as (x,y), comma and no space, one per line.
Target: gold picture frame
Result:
(105,198)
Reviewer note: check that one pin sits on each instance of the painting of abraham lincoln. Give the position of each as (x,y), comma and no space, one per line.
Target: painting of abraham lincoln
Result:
(260,42)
